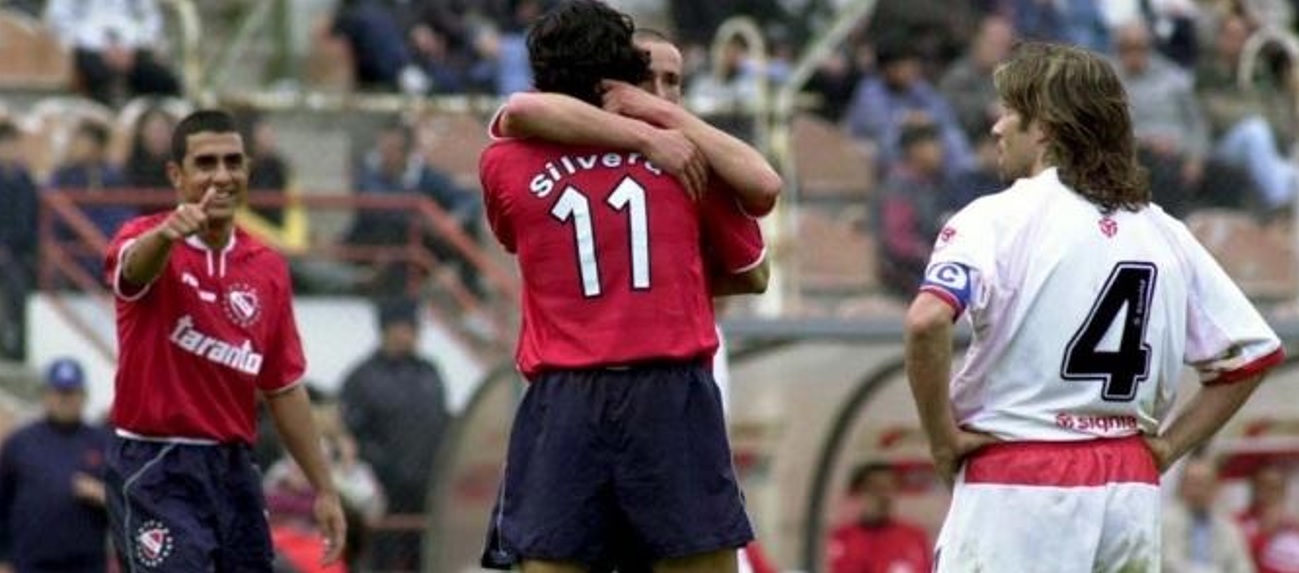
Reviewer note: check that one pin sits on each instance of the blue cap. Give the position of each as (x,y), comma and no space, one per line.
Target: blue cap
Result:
(65,374)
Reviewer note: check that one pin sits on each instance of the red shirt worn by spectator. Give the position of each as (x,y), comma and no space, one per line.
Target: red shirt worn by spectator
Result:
(889,547)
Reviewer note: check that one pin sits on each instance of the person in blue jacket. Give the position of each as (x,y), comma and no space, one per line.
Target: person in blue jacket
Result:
(52,517)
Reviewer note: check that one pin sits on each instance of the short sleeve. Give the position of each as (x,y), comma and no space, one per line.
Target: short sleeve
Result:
(963,261)
(1226,338)
(732,239)
(285,361)
(113,260)
(494,198)
(494,127)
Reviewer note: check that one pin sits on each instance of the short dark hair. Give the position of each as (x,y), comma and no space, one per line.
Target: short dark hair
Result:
(862,474)
(209,120)
(96,131)
(580,42)
(917,132)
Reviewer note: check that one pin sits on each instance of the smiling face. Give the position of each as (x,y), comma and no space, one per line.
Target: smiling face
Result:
(213,159)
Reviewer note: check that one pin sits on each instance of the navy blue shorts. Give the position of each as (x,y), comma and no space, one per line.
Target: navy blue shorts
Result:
(185,508)
(617,466)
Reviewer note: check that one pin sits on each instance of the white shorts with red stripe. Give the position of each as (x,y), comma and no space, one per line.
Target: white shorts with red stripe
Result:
(1054,507)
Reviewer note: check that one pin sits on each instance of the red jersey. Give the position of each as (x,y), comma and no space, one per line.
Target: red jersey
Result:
(891,547)
(608,247)
(196,344)
(732,240)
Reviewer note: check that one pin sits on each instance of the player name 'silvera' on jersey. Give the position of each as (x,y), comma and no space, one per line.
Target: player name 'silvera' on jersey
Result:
(553,172)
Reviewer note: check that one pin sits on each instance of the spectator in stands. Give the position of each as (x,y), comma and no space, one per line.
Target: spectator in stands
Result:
(503,52)
(1270,530)
(395,167)
(52,515)
(18,238)
(394,402)
(113,44)
(967,84)
(1250,128)
(1172,25)
(898,95)
(380,56)
(146,165)
(1171,131)
(985,176)
(837,77)
(442,58)
(271,173)
(910,208)
(86,169)
(1198,537)
(877,540)
(1078,22)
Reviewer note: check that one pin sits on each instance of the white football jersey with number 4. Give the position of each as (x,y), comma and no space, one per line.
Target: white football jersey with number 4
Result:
(1082,322)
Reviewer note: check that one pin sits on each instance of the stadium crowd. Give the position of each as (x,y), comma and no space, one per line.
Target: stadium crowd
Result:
(913,87)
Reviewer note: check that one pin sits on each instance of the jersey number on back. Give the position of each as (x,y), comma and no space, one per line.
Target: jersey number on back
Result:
(573,206)
(1126,297)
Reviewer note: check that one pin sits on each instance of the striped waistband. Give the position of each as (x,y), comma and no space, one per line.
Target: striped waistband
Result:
(1064,464)
(166,439)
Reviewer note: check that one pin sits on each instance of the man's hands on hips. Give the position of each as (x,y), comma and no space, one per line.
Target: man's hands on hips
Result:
(1161,450)
(949,454)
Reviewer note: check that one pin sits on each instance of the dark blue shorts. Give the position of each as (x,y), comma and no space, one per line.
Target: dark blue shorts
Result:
(185,508)
(617,466)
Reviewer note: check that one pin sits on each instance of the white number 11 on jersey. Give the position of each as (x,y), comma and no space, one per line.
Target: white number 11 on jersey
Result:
(573,205)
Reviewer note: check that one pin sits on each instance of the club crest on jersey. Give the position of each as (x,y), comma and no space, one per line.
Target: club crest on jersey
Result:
(153,543)
(242,305)
(1109,227)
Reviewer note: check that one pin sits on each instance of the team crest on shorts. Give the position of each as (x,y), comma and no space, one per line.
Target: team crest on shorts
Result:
(242,305)
(153,543)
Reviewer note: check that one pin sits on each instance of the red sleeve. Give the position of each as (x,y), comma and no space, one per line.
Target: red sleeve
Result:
(285,361)
(113,258)
(494,199)
(732,239)
(758,560)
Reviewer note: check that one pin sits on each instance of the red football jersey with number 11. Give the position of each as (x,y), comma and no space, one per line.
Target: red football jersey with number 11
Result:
(609,249)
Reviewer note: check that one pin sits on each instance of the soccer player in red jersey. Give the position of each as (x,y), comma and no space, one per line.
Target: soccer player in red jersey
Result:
(621,427)
(742,182)
(204,323)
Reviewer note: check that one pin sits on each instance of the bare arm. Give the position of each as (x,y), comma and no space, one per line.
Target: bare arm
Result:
(1202,417)
(291,411)
(756,183)
(565,119)
(929,366)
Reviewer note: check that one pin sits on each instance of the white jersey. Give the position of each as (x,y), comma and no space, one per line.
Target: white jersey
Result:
(1081,321)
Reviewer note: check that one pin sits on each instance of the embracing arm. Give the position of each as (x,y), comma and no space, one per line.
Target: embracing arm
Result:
(565,119)
(755,181)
